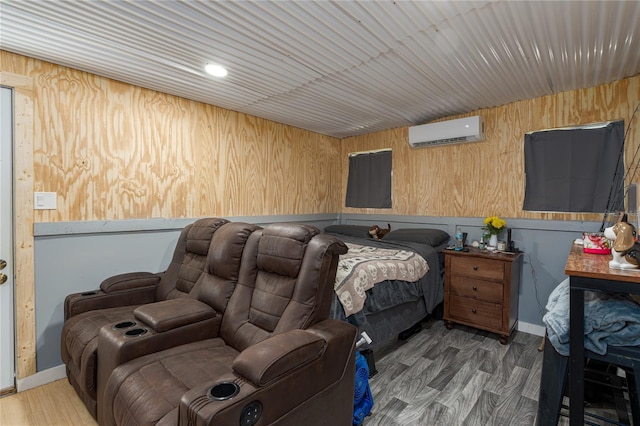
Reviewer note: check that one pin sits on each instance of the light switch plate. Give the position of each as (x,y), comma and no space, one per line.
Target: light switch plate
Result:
(44,200)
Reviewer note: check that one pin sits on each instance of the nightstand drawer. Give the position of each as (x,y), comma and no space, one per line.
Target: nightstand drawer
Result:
(478,289)
(478,268)
(475,312)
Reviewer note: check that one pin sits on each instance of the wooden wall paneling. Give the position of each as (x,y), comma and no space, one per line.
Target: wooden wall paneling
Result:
(276,163)
(402,194)
(485,178)
(46,158)
(296,158)
(23,221)
(251,195)
(324,172)
(314,170)
(301,163)
(231,163)
(333,186)
(459,162)
(208,185)
(505,162)
(403,170)
(114,151)
(98,143)
(80,106)
(434,171)
(114,144)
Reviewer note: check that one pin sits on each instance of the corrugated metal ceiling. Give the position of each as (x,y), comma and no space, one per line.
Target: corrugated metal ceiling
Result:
(340,68)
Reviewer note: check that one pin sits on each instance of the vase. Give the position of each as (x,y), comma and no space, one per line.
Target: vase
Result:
(493,241)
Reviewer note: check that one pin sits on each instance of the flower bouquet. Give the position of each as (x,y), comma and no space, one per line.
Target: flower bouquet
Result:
(494,225)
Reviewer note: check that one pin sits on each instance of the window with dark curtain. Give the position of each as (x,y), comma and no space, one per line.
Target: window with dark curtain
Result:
(369,181)
(575,170)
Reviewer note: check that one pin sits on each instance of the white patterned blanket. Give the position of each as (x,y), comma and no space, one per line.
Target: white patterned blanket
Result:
(363,267)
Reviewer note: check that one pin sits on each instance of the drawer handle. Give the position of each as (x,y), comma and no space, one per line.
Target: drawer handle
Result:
(473,310)
(475,268)
(474,288)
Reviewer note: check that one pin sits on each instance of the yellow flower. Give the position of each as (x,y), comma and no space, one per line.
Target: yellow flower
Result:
(494,224)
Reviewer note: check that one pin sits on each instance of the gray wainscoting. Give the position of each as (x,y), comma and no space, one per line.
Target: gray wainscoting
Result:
(72,257)
(545,245)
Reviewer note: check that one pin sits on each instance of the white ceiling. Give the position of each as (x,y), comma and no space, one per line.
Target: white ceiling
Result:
(340,68)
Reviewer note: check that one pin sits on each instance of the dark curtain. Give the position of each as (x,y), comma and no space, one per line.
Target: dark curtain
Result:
(575,170)
(369,182)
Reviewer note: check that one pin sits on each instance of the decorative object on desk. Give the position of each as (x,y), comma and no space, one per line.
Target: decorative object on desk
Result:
(625,250)
(377,233)
(494,225)
(485,237)
(614,203)
(595,243)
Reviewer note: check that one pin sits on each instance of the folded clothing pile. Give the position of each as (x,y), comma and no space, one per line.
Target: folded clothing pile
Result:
(608,320)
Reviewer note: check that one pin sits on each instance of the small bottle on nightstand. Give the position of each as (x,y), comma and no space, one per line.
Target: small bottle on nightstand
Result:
(459,243)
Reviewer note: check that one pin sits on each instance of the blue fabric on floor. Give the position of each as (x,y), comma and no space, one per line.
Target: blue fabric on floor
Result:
(608,320)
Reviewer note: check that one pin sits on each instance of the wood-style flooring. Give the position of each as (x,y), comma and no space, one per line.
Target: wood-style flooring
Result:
(457,377)
(436,377)
(54,404)
(460,377)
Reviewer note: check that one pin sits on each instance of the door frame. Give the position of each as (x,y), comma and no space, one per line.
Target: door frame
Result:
(7,287)
(24,290)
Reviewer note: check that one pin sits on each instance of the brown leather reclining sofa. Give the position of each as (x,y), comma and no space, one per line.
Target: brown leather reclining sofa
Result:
(256,350)
(118,296)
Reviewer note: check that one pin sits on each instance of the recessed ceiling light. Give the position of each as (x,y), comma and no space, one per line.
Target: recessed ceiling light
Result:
(216,70)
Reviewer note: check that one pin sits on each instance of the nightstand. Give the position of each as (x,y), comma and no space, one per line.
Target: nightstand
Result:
(481,290)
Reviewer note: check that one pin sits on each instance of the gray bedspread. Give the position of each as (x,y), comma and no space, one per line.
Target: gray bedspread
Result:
(391,293)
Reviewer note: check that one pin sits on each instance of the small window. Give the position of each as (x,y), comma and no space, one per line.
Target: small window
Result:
(369,181)
(578,169)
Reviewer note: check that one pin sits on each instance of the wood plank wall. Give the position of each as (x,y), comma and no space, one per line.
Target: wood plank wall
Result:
(487,178)
(114,151)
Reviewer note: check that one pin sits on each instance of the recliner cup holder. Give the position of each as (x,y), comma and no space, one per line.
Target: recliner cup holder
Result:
(88,293)
(124,324)
(223,391)
(134,332)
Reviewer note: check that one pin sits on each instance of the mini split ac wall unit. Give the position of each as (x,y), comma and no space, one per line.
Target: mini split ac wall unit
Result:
(462,130)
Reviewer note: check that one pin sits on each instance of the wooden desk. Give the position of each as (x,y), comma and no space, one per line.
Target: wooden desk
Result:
(588,272)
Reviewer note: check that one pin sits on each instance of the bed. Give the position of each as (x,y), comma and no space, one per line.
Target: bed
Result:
(391,306)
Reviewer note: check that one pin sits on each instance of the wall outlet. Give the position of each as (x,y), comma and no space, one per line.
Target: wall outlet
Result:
(44,200)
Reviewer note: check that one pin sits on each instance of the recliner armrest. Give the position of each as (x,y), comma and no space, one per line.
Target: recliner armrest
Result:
(162,325)
(169,314)
(135,288)
(273,358)
(129,281)
(320,380)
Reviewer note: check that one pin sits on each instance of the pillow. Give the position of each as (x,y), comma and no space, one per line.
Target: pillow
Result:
(430,236)
(359,231)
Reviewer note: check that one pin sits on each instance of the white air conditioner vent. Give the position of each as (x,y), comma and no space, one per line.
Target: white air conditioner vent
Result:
(462,130)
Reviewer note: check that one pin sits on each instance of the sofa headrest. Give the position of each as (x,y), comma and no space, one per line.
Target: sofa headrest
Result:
(281,247)
(226,249)
(200,233)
